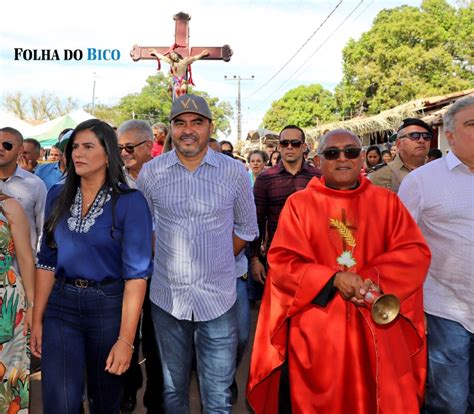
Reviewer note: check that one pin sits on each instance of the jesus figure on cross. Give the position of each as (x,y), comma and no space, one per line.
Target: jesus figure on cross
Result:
(180,69)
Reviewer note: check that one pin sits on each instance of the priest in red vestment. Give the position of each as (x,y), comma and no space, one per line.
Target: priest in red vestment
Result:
(317,348)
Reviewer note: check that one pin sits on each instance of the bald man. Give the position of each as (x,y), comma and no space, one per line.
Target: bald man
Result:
(317,348)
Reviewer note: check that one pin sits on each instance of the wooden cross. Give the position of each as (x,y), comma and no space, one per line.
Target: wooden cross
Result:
(181,45)
(343,220)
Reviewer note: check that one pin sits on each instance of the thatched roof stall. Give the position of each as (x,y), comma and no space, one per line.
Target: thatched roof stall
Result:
(377,129)
(256,139)
(262,135)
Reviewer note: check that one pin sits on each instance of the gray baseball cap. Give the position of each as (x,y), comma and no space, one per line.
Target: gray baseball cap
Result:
(190,104)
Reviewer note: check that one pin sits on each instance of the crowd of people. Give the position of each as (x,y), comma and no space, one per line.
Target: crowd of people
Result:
(161,238)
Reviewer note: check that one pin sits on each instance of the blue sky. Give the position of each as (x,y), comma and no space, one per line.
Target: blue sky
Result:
(263,35)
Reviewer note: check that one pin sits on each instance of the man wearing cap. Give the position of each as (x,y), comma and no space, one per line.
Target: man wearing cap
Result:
(22,185)
(204,213)
(413,143)
(53,172)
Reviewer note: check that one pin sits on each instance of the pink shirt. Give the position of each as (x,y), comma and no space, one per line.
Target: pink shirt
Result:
(156,150)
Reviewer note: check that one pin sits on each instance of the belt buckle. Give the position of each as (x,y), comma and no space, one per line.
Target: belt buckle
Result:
(81,283)
(245,276)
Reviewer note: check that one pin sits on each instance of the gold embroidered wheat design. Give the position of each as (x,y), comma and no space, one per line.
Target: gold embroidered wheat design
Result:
(343,231)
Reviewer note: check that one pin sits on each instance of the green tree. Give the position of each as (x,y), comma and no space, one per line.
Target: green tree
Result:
(305,106)
(408,53)
(153,104)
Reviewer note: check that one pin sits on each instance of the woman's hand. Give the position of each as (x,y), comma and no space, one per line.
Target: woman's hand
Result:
(36,339)
(119,358)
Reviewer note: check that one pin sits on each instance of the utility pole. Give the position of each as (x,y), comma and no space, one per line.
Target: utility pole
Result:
(239,104)
(93,96)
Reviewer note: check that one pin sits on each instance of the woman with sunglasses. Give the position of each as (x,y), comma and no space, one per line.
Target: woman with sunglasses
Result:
(91,275)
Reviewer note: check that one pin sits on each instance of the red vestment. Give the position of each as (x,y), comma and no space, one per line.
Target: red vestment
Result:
(340,361)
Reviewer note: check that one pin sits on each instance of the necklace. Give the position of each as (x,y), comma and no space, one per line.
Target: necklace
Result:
(88,204)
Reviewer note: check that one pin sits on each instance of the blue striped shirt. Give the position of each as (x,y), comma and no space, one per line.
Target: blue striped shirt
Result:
(195,215)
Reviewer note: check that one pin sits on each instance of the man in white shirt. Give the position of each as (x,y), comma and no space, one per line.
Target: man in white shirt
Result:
(25,187)
(440,196)
(135,138)
(135,141)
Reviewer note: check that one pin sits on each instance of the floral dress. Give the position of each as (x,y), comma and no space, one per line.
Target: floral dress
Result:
(14,346)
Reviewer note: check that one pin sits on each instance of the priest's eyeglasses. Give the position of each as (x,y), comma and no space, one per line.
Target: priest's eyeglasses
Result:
(332,154)
(415,136)
(130,148)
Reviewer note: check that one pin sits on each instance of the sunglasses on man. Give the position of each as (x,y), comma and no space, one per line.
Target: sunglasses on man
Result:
(7,145)
(332,154)
(295,143)
(130,148)
(415,136)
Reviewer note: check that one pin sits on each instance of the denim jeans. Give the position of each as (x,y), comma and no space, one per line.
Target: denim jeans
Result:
(243,318)
(80,327)
(450,367)
(215,343)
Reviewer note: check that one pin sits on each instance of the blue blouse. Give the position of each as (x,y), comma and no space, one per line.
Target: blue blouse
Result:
(85,246)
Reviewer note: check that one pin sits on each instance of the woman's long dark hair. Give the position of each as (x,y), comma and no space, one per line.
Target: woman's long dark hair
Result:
(269,163)
(114,176)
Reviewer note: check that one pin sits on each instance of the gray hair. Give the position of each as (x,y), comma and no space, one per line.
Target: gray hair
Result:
(161,126)
(142,127)
(458,106)
(327,135)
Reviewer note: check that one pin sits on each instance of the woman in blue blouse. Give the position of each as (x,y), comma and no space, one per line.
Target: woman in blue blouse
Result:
(90,283)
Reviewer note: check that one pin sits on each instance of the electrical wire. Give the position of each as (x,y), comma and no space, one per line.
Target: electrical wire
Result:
(310,57)
(296,53)
(363,11)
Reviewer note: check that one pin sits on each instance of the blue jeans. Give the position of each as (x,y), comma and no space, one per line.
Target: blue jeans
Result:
(80,327)
(450,367)
(243,318)
(215,345)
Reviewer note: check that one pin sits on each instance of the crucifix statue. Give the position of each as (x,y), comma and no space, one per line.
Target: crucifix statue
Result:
(180,55)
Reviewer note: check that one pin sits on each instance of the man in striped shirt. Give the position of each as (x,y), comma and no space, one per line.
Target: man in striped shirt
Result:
(204,212)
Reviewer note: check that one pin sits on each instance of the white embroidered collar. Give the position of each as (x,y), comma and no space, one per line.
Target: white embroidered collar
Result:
(80,224)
